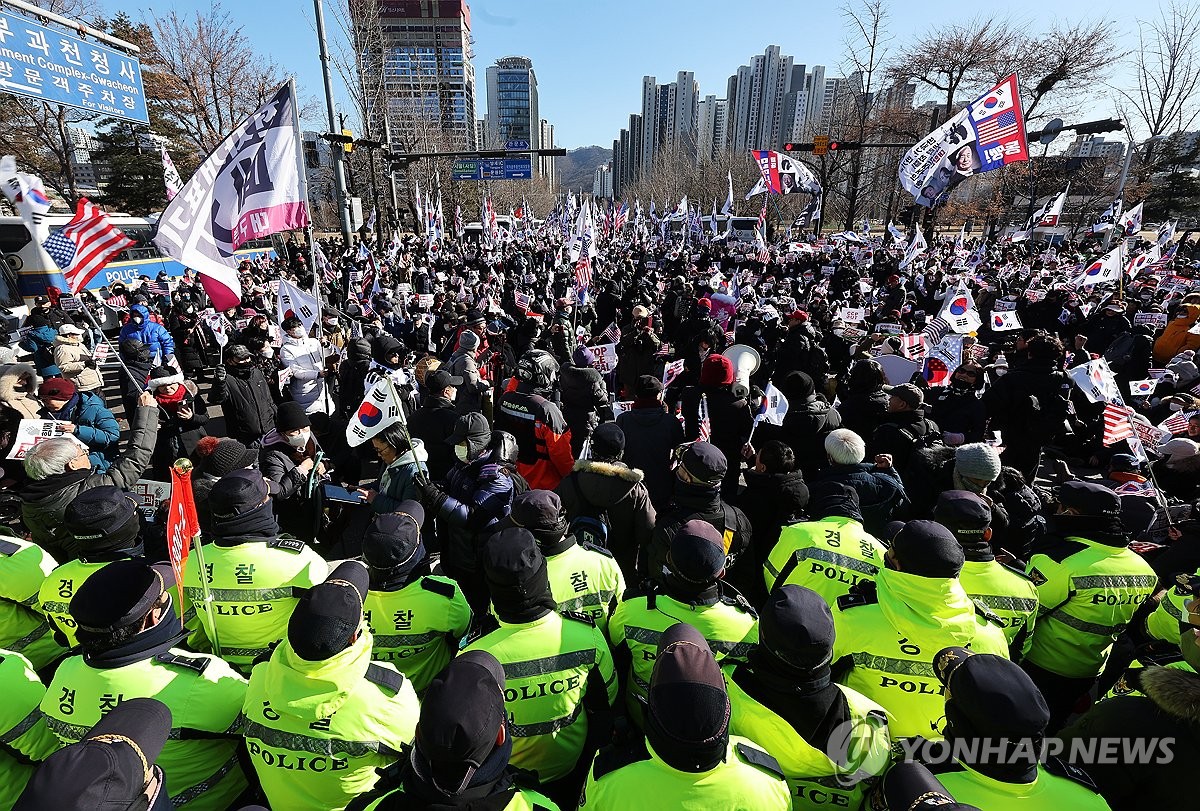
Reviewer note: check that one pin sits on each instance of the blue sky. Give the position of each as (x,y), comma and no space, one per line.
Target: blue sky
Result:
(590,56)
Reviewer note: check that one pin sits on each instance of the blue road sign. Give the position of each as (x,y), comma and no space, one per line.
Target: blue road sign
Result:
(515,145)
(493,169)
(54,66)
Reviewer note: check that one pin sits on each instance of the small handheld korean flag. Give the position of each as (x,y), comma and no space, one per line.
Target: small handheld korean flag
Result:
(299,303)
(774,406)
(1142,388)
(379,410)
(1003,322)
(1096,381)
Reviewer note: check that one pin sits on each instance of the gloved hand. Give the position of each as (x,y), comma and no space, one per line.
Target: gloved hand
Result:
(432,496)
(91,363)
(220,374)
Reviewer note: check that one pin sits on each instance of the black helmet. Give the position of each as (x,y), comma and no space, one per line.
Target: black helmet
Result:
(537,368)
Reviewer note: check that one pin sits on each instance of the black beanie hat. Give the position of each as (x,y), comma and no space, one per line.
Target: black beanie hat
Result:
(290,417)
(687,721)
(218,456)
(928,549)
(697,554)
(796,626)
(828,499)
(608,441)
(392,546)
(326,618)
(516,575)
(103,519)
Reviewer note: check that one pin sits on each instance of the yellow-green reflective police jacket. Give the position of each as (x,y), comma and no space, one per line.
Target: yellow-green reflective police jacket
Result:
(418,628)
(24,628)
(552,667)
(205,697)
(317,731)
(1088,593)
(816,782)
(57,590)
(24,736)
(1058,787)
(828,556)
(255,587)
(585,579)
(1007,593)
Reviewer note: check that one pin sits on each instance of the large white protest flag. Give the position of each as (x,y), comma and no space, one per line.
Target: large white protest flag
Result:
(298,303)
(1107,268)
(171,178)
(1095,379)
(1131,221)
(1053,210)
(379,410)
(250,187)
(917,247)
(727,209)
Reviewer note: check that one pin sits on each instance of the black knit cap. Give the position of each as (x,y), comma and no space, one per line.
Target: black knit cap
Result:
(697,553)
(236,493)
(687,721)
(291,416)
(608,441)
(108,769)
(962,512)
(516,575)
(910,786)
(827,499)
(987,696)
(118,595)
(461,715)
(705,463)
(928,549)
(392,544)
(229,455)
(326,618)
(796,626)
(103,519)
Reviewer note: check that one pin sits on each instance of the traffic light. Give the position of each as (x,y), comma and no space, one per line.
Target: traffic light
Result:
(834,146)
(797,147)
(1092,127)
(348,144)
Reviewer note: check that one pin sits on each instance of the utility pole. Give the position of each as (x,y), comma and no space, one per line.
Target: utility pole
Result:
(339,176)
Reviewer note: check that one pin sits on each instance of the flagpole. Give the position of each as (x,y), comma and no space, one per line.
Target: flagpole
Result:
(140,384)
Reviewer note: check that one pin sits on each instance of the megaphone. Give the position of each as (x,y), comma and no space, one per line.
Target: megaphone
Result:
(745,360)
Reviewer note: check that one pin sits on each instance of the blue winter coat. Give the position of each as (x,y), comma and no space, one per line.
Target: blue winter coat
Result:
(40,341)
(153,335)
(95,426)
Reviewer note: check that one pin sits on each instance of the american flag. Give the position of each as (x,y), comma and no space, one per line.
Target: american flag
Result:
(116,302)
(322,264)
(1117,424)
(1142,489)
(762,216)
(1177,423)
(1166,259)
(705,423)
(85,245)
(997,128)
(521,300)
(621,217)
(157,288)
(583,271)
(611,334)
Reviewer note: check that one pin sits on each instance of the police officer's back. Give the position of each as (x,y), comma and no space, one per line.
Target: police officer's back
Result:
(784,699)
(460,755)
(559,671)
(1008,593)
(886,637)
(27,739)
(320,716)
(255,574)
(128,630)
(830,554)
(104,523)
(996,724)
(24,628)
(689,760)
(584,579)
(417,619)
(694,593)
(1089,585)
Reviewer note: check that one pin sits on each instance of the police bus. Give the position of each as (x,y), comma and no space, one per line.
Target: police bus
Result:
(27,269)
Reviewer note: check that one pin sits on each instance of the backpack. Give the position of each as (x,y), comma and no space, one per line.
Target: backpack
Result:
(590,527)
(929,439)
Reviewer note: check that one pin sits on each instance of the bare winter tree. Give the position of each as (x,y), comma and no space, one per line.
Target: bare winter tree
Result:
(1063,63)
(957,57)
(866,49)
(1167,70)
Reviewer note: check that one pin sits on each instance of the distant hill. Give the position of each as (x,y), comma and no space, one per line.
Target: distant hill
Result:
(575,169)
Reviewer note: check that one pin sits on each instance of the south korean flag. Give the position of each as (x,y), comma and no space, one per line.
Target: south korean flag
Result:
(960,313)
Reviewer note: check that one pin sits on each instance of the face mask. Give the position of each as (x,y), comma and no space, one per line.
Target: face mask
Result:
(137,320)
(267,352)
(299,440)
(298,332)
(461,452)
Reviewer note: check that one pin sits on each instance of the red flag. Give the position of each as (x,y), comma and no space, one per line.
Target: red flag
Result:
(182,526)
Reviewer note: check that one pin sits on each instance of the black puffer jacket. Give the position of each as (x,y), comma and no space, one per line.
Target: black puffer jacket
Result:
(584,401)
(770,501)
(902,433)
(247,403)
(433,423)
(693,501)
(617,490)
(352,374)
(651,434)
(808,421)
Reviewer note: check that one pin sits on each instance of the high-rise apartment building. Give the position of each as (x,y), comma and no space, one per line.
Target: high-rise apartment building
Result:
(547,166)
(669,115)
(428,75)
(710,128)
(512,103)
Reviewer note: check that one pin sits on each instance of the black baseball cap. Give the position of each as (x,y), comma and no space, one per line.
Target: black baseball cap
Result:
(461,715)
(439,379)
(118,595)
(326,618)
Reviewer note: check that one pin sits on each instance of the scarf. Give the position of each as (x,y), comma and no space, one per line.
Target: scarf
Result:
(64,413)
(257,524)
(142,646)
(171,402)
(491,788)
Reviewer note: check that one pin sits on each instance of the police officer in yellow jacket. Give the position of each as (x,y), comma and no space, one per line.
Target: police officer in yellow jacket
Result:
(886,636)
(104,522)
(560,684)
(829,554)
(255,575)
(24,629)
(995,730)
(1089,585)
(25,740)
(320,717)
(1008,593)
(688,759)
(584,579)
(831,742)
(694,593)
(417,619)
(128,629)
(459,759)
